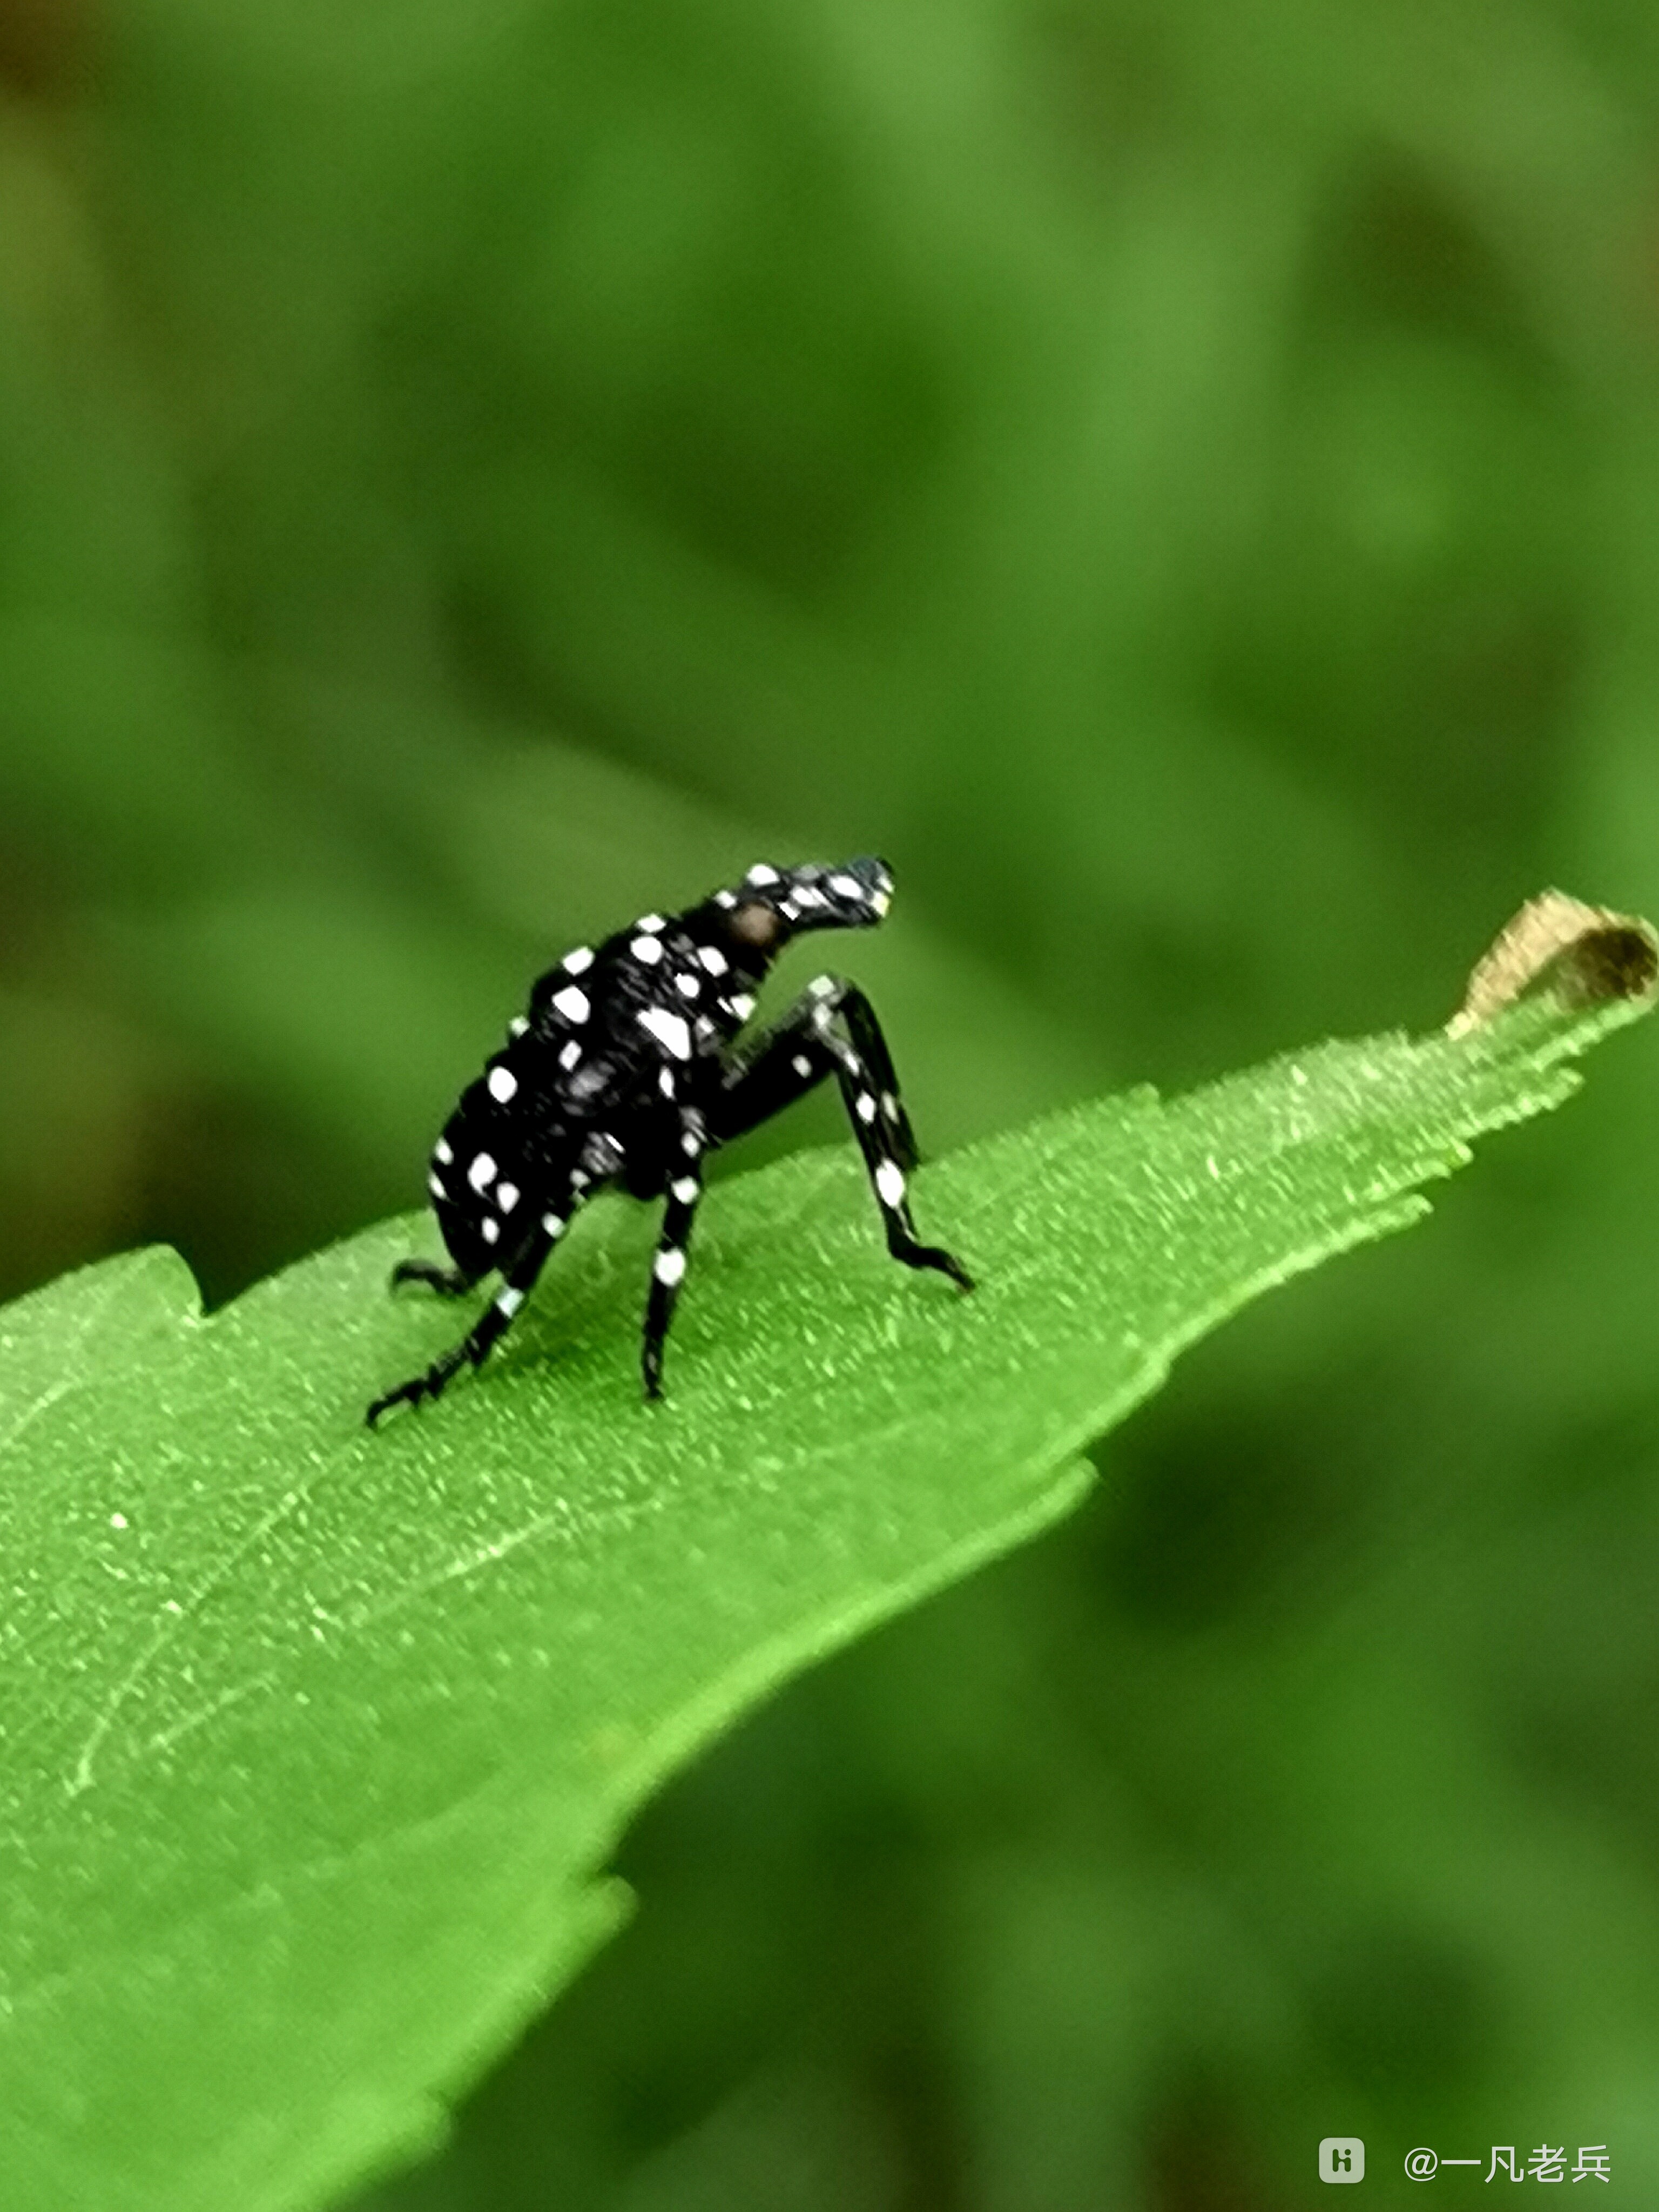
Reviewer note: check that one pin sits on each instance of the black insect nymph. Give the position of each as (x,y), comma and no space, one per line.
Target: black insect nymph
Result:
(626,1071)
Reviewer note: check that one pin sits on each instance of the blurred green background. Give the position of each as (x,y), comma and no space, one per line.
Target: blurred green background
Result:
(1182,480)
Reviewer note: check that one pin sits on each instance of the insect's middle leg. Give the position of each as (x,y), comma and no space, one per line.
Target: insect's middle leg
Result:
(518,1280)
(668,1268)
(833,1031)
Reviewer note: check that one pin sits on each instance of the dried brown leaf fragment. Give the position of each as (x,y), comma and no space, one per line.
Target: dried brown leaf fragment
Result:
(1584,954)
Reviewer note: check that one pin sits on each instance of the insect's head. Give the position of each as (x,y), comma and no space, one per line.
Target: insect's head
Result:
(771,905)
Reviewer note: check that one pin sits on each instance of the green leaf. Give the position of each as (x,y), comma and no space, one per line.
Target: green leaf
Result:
(315,1740)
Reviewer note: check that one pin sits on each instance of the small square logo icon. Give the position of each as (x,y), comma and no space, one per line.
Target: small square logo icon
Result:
(1342,2158)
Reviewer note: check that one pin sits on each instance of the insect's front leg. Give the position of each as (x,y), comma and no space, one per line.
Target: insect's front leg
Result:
(833,1031)
(668,1268)
(518,1280)
(875,1074)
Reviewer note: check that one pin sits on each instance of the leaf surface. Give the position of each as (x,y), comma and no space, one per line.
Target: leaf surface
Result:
(316,1741)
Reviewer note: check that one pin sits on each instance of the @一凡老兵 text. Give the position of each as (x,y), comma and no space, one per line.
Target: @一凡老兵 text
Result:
(1342,2159)
(1507,2162)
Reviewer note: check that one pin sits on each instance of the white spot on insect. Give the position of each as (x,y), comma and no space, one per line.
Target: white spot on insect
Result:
(482,1171)
(435,1185)
(808,895)
(601,1155)
(688,986)
(802,1066)
(762,873)
(571,1054)
(441,1153)
(553,1225)
(579,962)
(889,1182)
(725,898)
(669,1029)
(821,987)
(684,1188)
(650,921)
(647,950)
(119,1520)
(669,1267)
(507,1196)
(572,1003)
(711,960)
(846,886)
(705,1027)
(742,1004)
(517,1026)
(665,1081)
(508,1301)
(881,900)
(503,1083)
(864,1106)
(889,1105)
(490,1230)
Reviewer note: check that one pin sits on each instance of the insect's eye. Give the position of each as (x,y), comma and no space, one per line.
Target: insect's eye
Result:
(757,924)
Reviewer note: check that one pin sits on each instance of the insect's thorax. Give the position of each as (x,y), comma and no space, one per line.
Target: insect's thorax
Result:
(661,1002)
(617,1043)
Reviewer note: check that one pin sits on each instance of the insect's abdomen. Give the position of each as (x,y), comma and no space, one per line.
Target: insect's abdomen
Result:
(588,1088)
(488,1171)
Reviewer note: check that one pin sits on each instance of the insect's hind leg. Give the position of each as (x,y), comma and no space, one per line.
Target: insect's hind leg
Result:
(518,1280)
(448,1282)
